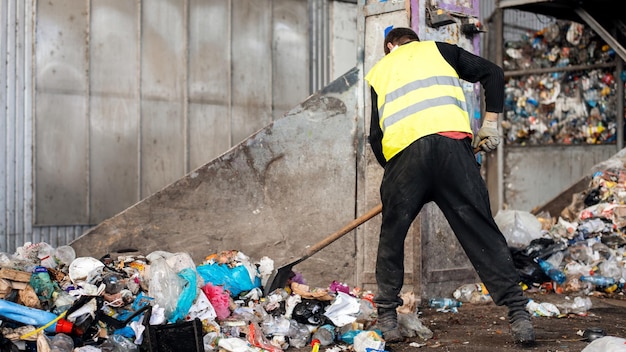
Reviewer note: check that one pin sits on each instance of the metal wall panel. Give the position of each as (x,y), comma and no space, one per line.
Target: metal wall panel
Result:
(343,53)
(163,93)
(251,67)
(98,144)
(14,47)
(6,185)
(61,112)
(114,107)
(209,80)
(289,57)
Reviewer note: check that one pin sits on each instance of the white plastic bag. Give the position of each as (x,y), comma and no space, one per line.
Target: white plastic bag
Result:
(518,227)
(606,344)
(165,286)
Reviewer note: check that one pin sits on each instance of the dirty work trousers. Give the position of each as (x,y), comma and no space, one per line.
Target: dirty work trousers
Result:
(443,170)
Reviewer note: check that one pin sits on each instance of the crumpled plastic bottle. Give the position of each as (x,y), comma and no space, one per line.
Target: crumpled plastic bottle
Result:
(598,280)
(580,305)
(475,293)
(325,334)
(42,284)
(554,273)
(544,309)
(444,303)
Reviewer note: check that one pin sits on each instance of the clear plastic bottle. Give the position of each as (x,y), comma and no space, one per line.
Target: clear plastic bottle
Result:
(552,272)
(598,280)
(65,255)
(114,282)
(325,334)
(444,302)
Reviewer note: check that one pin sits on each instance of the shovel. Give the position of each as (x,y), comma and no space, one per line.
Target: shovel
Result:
(279,277)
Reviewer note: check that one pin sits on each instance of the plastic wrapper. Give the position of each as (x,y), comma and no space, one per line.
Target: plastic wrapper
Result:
(368,341)
(256,338)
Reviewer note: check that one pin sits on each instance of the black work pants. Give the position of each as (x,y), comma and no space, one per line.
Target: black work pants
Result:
(443,170)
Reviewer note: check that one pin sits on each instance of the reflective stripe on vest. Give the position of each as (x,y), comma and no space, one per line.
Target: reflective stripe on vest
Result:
(414,102)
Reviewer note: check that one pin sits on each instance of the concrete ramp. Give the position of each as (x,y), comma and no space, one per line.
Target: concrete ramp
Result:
(555,206)
(288,186)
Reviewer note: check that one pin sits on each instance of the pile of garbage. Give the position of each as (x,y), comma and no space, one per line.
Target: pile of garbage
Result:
(164,302)
(560,106)
(580,251)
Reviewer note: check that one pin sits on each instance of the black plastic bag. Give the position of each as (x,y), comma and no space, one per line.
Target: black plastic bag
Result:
(530,272)
(310,311)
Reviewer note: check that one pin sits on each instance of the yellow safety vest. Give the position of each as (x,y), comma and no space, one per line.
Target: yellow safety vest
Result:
(419,94)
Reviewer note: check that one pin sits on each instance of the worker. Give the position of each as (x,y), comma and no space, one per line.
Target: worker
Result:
(420,133)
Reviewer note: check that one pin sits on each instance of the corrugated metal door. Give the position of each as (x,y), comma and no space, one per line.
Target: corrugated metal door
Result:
(131,95)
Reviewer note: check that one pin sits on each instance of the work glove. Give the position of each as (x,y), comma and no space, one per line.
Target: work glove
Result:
(489,134)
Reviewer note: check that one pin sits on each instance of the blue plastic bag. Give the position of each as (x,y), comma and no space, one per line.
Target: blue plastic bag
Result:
(235,280)
(186,297)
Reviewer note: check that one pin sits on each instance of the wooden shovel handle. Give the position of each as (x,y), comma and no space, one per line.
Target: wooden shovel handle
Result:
(344,230)
(477,149)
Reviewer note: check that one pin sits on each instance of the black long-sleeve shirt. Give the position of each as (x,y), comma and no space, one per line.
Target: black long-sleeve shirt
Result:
(469,67)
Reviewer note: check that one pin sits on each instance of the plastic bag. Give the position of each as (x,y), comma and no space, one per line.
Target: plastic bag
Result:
(606,344)
(410,326)
(518,227)
(187,296)
(310,311)
(343,310)
(256,338)
(235,280)
(165,286)
(580,305)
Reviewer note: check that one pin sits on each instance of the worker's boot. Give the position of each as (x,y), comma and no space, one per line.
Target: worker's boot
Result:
(521,327)
(388,324)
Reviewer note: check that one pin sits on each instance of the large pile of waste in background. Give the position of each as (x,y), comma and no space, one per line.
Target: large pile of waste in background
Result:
(164,301)
(557,104)
(581,250)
